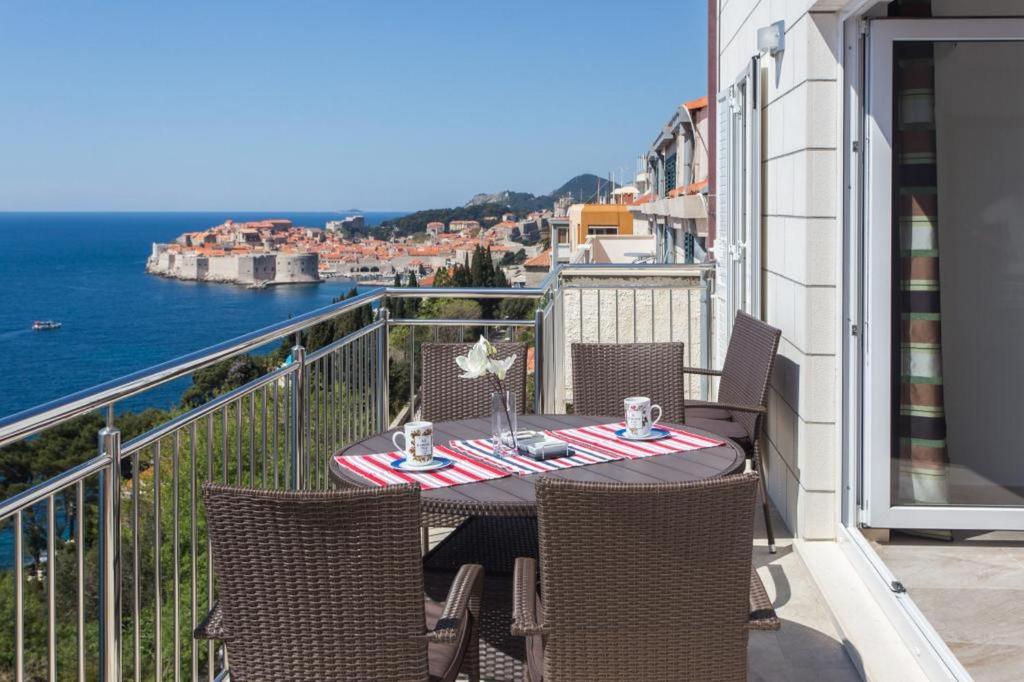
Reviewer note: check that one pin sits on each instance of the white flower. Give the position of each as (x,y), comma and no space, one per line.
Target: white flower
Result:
(482,359)
(491,350)
(475,363)
(500,368)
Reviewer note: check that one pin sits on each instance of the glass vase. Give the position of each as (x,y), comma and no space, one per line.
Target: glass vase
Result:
(503,423)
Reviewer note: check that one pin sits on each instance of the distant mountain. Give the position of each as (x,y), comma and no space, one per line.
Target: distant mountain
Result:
(506,198)
(582,188)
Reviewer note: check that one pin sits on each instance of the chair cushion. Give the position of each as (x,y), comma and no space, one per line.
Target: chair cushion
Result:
(703,411)
(443,659)
(721,427)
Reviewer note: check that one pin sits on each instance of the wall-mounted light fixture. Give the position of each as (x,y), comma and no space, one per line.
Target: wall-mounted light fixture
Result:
(772,39)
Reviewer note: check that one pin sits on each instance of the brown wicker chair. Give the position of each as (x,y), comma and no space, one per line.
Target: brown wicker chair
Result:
(604,374)
(742,395)
(446,397)
(641,582)
(329,586)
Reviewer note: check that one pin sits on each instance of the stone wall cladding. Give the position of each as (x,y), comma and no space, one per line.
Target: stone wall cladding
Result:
(800,223)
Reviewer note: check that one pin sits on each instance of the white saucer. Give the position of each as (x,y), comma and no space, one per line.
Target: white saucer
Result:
(438,462)
(655,434)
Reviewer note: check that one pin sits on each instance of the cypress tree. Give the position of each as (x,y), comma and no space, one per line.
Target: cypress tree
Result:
(412,305)
(398,305)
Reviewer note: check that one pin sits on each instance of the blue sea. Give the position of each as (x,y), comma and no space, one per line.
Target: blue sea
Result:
(88,271)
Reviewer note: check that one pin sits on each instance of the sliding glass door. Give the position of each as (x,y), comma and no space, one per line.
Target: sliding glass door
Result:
(944,274)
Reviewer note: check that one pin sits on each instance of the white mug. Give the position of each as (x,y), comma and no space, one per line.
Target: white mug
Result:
(638,416)
(419,443)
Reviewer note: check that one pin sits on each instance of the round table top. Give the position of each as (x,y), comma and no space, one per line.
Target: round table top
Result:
(514,495)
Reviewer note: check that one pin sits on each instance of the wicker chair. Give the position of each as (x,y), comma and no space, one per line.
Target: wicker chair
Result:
(742,402)
(446,397)
(641,582)
(604,374)
(329,585)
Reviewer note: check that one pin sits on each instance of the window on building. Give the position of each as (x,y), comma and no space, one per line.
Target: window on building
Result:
(602,230)
(670,173)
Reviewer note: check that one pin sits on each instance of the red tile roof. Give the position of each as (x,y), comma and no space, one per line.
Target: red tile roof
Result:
(541,260)
(699,103)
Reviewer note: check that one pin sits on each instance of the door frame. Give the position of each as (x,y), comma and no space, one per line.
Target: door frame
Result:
(745,199)
(737,245)
(877,509)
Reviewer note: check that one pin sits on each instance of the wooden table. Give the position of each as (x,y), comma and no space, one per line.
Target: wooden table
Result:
(514,495)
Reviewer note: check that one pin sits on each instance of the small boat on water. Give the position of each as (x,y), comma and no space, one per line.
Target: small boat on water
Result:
(43,325)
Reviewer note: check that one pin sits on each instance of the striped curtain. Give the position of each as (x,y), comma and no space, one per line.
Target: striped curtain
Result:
(921,428)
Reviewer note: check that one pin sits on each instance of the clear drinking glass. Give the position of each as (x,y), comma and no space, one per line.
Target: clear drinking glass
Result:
(503,423)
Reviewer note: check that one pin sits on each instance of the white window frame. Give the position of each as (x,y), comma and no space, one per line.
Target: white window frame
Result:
(738,239)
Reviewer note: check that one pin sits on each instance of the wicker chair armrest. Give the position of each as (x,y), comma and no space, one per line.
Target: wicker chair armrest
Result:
(701,370)
(212,626)
(762,613)
(463,597)
(735,407)
(524,599)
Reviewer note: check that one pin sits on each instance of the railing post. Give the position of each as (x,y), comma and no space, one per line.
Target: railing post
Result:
(538,360)
(299,416)
(110,556)
(705,331)
(412,372)
(383,369)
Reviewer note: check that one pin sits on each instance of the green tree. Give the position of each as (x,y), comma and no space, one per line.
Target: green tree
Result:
(516,308)
(398,305)
(442,278)
(412,305)
(462,275)
(209,382)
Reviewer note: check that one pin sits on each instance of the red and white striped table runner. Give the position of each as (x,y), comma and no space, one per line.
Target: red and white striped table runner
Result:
(376,469)
(483,449)
(601,439)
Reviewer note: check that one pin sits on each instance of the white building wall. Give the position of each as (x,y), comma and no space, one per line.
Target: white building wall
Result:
(617,309)
(800,223)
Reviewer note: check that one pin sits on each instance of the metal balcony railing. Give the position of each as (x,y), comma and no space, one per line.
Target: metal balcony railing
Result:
(127,575)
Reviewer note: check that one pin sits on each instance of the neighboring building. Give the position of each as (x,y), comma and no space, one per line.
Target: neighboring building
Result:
(670,200)
(347,225)
(559,235)
(562,204)
(537,268)
(586,220)
(463,225)
(624,195)
(435,228)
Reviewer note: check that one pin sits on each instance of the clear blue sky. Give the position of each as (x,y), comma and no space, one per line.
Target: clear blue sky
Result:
(330,105)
